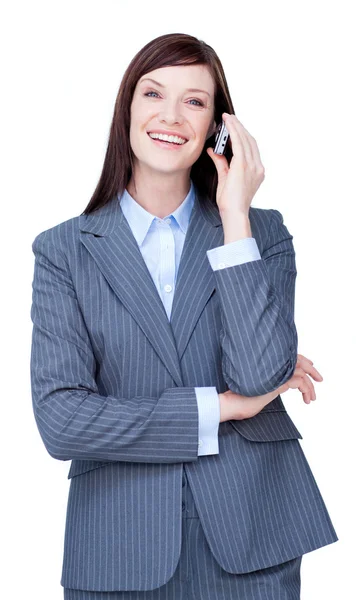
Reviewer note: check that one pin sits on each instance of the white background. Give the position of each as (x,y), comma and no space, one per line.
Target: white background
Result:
(291,70)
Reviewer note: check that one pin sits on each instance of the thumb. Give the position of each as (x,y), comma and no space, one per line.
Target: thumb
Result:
(220,163)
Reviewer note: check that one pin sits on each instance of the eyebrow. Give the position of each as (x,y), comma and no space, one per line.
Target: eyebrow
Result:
(160,85)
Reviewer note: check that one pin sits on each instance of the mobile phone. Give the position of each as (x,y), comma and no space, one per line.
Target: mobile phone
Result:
(221,139)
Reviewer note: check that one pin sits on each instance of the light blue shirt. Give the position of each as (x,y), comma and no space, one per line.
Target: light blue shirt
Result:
(161,243)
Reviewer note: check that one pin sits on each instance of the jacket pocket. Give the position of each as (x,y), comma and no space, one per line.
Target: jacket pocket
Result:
(78,467)
(267,426)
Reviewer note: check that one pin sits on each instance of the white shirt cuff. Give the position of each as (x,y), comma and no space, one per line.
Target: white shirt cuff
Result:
(234,253)
(209,420)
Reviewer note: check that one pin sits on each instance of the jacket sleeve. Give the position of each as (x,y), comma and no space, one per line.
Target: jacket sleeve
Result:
(74,420)
(259,338)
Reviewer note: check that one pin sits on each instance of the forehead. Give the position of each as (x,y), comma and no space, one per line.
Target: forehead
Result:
(182,76)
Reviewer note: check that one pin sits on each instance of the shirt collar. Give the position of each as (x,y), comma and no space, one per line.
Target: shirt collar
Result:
(140,219)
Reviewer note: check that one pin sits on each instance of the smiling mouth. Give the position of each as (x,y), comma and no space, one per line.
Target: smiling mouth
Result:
(165,144)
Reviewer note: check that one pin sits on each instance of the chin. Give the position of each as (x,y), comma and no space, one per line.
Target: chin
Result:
(168,165)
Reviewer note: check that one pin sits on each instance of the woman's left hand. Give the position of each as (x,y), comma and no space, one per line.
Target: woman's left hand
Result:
(239,182)
(249,406)
(300,379)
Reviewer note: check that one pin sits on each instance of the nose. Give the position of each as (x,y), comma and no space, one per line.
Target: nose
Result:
(171,114)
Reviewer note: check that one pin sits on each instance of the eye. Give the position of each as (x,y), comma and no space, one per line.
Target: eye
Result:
(192,100)
(195,100)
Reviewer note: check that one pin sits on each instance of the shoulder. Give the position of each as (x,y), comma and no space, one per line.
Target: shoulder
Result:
(63,236)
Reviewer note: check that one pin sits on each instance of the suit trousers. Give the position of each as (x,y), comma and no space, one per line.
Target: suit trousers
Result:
(199,576)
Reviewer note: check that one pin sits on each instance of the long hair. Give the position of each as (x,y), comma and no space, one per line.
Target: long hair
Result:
(166,50)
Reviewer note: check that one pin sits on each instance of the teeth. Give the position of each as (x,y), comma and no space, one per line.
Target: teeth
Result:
(167,138)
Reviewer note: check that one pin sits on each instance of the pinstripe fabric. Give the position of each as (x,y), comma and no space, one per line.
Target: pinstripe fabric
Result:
(113,390)
(161,243)
(199,577)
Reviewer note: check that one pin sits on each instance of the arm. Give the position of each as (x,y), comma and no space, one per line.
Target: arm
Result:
(259,338)
(211,406)
(74,420)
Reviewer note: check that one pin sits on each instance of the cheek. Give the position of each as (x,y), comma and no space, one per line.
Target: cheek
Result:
(137,141)
(140,120)
(132,134)
(202,129)
(134,141)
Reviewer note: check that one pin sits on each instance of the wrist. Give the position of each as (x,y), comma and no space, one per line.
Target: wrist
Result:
(236,226)
(225,409)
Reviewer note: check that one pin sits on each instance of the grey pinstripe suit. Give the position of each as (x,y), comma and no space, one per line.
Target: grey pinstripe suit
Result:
(113,390)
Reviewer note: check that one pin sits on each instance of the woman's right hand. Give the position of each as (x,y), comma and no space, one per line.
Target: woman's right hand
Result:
(236,406)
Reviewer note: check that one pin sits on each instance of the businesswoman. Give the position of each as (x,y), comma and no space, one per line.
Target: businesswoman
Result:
(163,336)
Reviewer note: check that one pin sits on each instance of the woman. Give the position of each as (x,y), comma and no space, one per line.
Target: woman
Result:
(163,336)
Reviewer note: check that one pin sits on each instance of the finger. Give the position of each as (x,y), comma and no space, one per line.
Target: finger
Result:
(315,374)
(310,388)
(301,381)
(240,146)
(220,162)
(305,390)
(306,364)
(312,372)
(298,372)
(301,357)
(251,150)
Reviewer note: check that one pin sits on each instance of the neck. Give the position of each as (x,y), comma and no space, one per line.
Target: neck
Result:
(160,194)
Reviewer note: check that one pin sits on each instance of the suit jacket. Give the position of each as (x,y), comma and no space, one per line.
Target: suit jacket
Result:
(113,390)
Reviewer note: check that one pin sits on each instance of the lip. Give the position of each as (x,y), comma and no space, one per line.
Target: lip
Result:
(168,133)
(166,145)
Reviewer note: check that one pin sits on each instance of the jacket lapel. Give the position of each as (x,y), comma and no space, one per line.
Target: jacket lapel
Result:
(195,280)
(107,235)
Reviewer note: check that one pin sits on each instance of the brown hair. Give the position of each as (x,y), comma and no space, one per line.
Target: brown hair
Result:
(166,50)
